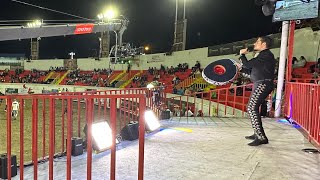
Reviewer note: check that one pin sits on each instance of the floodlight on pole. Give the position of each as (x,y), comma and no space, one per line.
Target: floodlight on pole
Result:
(35,24)
(108,14)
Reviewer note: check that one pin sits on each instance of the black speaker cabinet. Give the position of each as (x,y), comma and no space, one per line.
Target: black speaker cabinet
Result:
(130,132)
(77,146)
(4,166)
(165,115)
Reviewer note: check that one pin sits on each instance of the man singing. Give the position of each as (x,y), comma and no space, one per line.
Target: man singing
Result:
(261,70)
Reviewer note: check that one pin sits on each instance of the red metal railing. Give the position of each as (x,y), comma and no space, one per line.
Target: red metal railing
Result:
(221,102)
(306,80)
(218,102)
(304,108)
(58,117)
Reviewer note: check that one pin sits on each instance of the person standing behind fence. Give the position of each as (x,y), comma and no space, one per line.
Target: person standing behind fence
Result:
(15,108)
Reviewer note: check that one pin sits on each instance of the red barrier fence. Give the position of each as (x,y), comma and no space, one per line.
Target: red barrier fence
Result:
(304,108)
(46,122)
(221,102)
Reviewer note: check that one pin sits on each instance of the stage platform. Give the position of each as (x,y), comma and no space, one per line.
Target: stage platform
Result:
(203,148)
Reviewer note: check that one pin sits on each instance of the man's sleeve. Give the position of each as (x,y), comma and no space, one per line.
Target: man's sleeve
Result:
(254,61)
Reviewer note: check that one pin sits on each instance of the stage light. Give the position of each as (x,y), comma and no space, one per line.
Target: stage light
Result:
(150,86)
(152,122)
(108,14)
(102,136)
(35,24)
(268,6)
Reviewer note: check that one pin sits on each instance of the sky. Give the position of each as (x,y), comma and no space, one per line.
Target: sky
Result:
(210,22)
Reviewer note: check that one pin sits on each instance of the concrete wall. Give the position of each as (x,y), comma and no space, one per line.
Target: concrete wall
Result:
(37,88)
(306,44)
(4,67)
(43,64)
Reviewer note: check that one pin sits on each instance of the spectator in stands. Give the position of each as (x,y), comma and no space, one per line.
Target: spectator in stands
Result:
(294,60)
(189,113)
(300,64)
(175,90)
(187,92)
(200,113)
(314,66)
(180,91)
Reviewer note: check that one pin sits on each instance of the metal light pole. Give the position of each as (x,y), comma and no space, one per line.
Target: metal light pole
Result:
(181,36)
(282,65)
(184,26)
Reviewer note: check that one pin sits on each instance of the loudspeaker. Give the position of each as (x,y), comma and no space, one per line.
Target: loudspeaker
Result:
(130,132)
(4,167)
(77,146)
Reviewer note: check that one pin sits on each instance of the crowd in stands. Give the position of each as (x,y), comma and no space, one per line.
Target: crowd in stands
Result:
(88,78)
(298,63)
(20,77)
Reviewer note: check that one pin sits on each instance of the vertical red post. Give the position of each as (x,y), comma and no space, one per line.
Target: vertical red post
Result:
(187,107)
(69,135)
(226,102)
(9,109)
(51,135)
(35,137)
(290,50)
(142,106)
(234,100)
(43,128)
(201,105)
(79,118)
(21,138)
(210,96)
(180,105)
(113,116)
(62,124)
(105,109)
(89,134)
(99,105)
(243,95)
(218,101)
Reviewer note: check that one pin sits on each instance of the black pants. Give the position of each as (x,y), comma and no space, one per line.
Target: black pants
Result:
(260,92)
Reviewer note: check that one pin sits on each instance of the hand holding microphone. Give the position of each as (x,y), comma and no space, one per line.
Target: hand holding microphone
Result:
(246,50)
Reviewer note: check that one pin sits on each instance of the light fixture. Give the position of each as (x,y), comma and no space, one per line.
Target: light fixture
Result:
(101,136)
(109,14)
(268,6)
(152,122)
(147,48)
(150,86)
(35,24)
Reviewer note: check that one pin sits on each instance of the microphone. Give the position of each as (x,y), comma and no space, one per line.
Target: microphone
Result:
(250,49)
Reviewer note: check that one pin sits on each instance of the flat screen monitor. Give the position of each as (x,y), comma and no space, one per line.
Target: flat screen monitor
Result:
(295,9)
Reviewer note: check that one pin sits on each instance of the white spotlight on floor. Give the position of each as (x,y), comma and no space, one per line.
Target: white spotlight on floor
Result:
(102,135)
(152,122)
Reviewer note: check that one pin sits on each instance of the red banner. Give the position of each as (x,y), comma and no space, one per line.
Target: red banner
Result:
(83,28)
